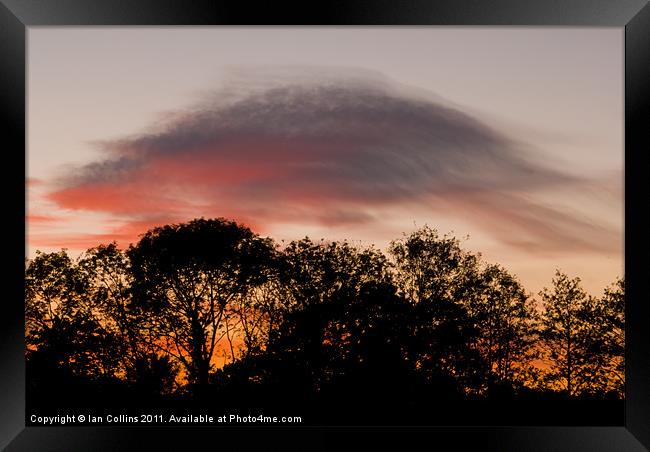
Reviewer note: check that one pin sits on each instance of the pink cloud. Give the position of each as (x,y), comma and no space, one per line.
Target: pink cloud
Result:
(32,182)
(30,219)
(123,234)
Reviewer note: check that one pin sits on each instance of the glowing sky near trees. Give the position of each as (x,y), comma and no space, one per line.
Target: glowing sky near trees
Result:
(513,136)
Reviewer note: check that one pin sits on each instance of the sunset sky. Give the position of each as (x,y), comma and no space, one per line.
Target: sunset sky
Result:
(513,136)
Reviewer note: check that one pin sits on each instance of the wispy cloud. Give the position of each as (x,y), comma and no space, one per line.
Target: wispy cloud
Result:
(40,219)
(329,148)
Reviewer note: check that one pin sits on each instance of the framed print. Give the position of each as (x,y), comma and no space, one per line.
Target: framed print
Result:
(368,225)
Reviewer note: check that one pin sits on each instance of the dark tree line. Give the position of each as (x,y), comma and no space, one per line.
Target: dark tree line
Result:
(210,311)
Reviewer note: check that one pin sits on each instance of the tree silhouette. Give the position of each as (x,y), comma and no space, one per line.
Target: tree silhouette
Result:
(506,321)
(614,316)
(315,271)
(319,278)
(107,270)
(53,292)
(577,332)
(605,325)
(211,310)
(258,313)
(62,331)
(186,275)
(440,279)
(433,268)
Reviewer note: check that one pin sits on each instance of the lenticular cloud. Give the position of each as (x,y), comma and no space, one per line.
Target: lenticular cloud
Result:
(331,147)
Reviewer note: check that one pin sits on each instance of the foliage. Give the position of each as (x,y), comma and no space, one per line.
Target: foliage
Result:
(582,336)
(210,305)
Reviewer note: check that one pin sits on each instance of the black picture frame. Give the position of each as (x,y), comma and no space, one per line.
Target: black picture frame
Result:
(633,15)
